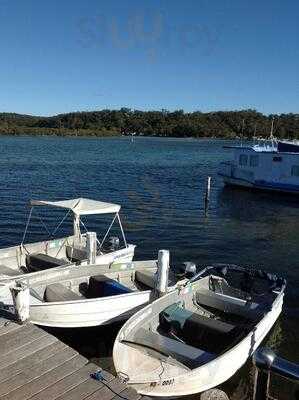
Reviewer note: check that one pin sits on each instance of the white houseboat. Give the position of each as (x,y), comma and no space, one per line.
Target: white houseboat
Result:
(267,166)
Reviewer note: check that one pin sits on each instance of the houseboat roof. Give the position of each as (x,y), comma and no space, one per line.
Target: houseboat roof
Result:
(278,147)
(80,206)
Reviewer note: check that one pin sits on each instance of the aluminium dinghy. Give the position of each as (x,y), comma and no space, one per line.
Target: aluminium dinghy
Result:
(197,336)
(80,247)
(76,296)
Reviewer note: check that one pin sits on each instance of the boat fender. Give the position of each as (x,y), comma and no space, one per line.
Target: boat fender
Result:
(20,295)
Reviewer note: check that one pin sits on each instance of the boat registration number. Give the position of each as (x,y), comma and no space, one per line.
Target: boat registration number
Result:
(167,382)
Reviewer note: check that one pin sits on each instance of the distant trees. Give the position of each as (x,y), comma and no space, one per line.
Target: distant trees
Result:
(225,124)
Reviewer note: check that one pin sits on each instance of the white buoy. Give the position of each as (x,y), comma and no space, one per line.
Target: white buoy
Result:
(162,272)
(20,295)
(91,247)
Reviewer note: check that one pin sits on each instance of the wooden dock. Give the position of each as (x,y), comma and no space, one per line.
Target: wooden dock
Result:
(36,365)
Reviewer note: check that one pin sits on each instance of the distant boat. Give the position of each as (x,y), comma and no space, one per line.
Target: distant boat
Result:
(268,165)
(197,336)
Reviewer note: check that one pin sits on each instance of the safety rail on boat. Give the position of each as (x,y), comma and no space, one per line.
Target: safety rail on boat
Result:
(268,363)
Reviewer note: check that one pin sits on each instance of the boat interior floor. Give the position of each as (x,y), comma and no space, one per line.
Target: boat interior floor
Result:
(95,287)
(7,271)
(197,330)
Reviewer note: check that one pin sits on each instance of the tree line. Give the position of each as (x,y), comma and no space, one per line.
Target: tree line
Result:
(222,124)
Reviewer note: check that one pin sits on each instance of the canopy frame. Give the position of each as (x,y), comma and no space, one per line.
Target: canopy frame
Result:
(81,206)
(72,206)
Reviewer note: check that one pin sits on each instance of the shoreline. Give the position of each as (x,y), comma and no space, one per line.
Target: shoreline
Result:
(81,135)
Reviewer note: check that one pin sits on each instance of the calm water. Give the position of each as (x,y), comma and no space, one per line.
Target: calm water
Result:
(160,184)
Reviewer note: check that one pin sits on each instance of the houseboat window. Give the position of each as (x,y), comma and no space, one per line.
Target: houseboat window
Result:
(295,170)
(243,159)
(277,158)
(254,161)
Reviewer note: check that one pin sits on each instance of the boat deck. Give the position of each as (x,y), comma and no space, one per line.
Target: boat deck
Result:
(36,365)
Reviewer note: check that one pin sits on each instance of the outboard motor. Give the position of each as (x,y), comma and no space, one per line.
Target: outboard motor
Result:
(188,268)
(113,243)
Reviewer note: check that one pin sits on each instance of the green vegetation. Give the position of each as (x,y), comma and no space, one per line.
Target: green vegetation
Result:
(224,124)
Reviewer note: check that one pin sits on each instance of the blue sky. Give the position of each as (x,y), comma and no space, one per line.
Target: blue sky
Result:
(61,56)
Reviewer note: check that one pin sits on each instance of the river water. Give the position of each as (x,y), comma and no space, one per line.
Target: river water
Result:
(160,184)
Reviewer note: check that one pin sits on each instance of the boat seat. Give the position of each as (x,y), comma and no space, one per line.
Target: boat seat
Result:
(189,356)
(220,285)
(147,278)
(59,292)
(4,270)
(101,286)
(231,305)
(75,254)
(210,334)
(40,261)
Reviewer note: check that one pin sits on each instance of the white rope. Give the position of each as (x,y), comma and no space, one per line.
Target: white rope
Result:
(55,230)
(83,225)
(27,225)
(44,225)
(107,233)
(122,231)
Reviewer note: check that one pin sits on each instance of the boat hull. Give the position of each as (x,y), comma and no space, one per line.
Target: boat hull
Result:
(123,255)
(86,313)
(212,373)
(263,186)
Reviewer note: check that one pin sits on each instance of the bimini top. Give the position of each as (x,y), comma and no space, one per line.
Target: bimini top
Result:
(80,206)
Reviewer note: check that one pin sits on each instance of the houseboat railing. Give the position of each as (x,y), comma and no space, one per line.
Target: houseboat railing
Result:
(267,363)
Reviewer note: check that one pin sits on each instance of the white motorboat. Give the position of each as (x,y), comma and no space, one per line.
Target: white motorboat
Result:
(92,295)
(197,336)
(79,248)
(77,296)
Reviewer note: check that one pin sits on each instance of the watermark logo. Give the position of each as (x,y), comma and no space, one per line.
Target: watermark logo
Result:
(146,32)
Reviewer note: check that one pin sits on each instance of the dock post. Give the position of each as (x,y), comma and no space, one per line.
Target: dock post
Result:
(162,273)
(207,194)
(91,247)
(263,360)
(20,295)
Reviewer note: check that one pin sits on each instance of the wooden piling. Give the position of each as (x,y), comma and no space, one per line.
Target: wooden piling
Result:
(207,195)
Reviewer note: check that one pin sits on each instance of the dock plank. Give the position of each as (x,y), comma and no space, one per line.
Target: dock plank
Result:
(108,390)
(45,380)
(129,394)
(66,384)
(26,350)
(36,365)
(21,364)
(8,326)
(15,333)
(37,370)
(11,342)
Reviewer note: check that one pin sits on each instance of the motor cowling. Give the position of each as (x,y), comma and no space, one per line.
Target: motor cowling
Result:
(113,243)
(188,268)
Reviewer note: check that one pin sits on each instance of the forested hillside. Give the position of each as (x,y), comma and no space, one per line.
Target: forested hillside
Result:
(223,124)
